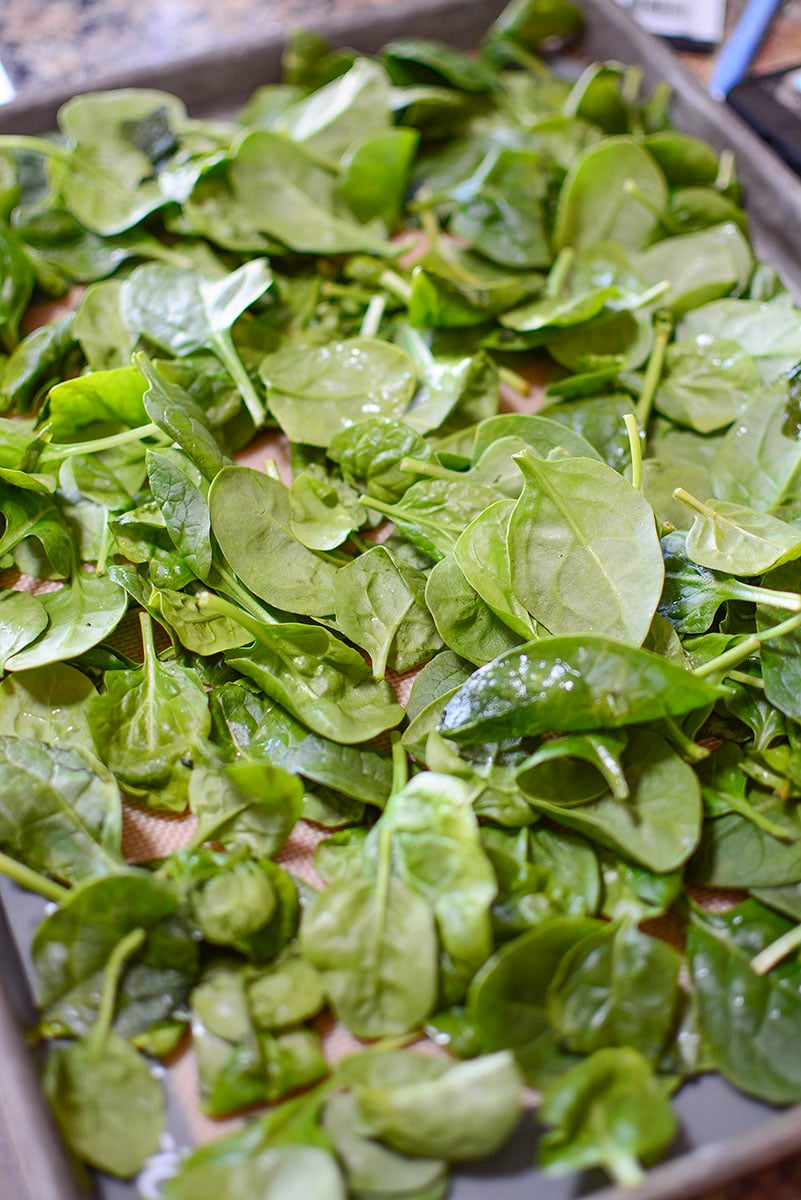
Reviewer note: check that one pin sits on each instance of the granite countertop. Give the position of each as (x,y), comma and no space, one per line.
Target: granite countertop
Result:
(70,44)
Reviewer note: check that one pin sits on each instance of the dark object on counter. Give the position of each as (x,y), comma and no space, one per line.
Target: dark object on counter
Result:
(771,104)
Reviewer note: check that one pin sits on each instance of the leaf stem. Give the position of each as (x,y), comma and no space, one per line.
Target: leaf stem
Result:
(725,174)
(693,502)
(514,381)
(95,446)
(689,750)
(211,602)
(431,470)
(400,763)
(789,601)
(664,218)
(559,271)
(30,879)
(373,316)
(635,449)
(228,356)
(398,287)
(625,1169)
(773,954)
(663,328)
(111,981)
(747,647)
(19,141)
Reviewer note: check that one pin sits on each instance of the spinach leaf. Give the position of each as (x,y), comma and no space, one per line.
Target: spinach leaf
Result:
(568,685)
(316,392)
(23,619)
(183,312)
(263,551)
(618,987)
(60,814)
(583,550)
(245,804)
(290,195)
(707,383)
(746,1018)
(108,1105)
(148,725)
(594,205)
(72,945)
(464,621)
(607,1111)
(468,1110)
(507,1000)
(360,933)
(379,604)
(80,615)
(321,681)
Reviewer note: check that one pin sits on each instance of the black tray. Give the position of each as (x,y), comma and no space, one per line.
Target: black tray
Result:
(723,1134)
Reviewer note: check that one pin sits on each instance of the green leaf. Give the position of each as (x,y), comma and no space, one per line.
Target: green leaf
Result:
(61,813)
(583,550)
(263,551)
(245,804)
(594,205)
(80,615)
(607,1111)
(108,1106)
(316,392)
(747,1020)
(570,684)
(467,1111)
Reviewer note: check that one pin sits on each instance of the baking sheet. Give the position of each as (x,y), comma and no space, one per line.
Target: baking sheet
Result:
(723,1134)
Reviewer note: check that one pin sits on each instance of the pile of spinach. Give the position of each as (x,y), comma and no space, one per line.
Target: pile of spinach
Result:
(601,601)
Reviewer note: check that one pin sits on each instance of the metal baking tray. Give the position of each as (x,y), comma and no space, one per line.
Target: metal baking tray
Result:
(722,1133)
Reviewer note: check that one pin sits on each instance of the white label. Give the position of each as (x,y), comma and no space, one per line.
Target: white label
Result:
(699,20)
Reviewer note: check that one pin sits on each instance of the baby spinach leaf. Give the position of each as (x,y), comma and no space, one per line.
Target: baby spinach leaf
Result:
(618,987)
(174,411)
(72,945)
(175,484)
(183,312)
(47,705)
(575,768)
(607,1111)
(80,615)
(40,359)
(245,804)
(700,266)
(707,383)
(468,1110)
(464,621)
(285,1172)
(108,1105)
(379,604)
(594,204)
(288,194)
(371,451)
(112,398)
(659,826)
(16,287)
(148,724)
(758,463)
(583,550)
(482,556)
(507,1000)
(61,814)
(263,551)
(321,681)
(316,392)
(435,841)
(740,541)
(373,1169)
(506,217)
(240,1061)
(23,619)
(746,1018)
(361,933)
(320,519)
(197,629)
(375,174)
(434,512)
(331,118)
(568,685)
(250,726)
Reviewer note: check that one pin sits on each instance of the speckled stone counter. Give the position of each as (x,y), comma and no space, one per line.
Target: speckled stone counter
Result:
(73,43)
